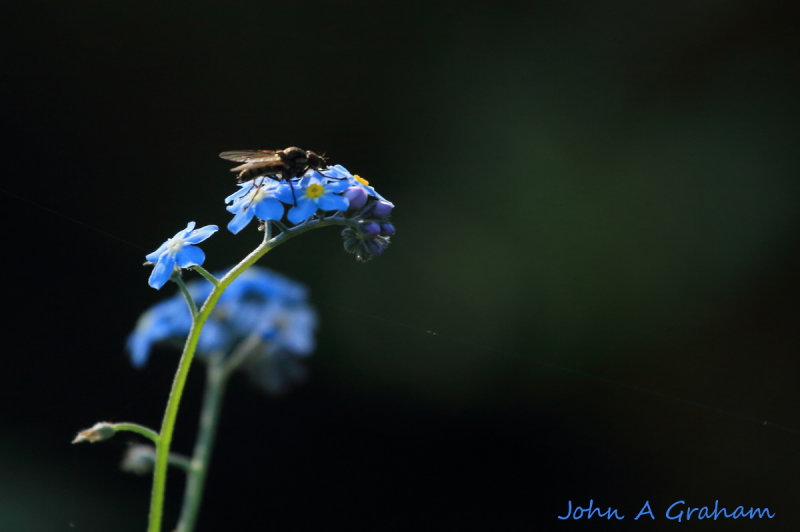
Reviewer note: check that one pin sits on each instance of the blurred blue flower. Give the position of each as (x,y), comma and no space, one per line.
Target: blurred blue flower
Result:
(260,199)
(259,305)
(178,250)
(170,320)
(316,192)
(287,325)
(158,323)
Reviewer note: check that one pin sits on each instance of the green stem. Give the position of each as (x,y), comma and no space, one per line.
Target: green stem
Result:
(205,273)
(242,352)
(218,372)
(209,419)
(179,382)
(181,462)
(185,291)
(138,429)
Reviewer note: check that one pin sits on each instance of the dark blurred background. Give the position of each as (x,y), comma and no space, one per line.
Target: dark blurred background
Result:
(592,292)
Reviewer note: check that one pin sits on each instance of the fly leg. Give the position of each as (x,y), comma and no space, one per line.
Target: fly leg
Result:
(291,187)
(253,196)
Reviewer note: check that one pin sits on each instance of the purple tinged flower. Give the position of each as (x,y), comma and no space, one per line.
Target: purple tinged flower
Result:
(316,194)
(369,212)
(178,251)
(339,172)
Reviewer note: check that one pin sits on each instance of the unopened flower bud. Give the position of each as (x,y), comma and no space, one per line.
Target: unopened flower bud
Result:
(382,209)
(362,246)
(373,247)
(357,197)
(99,432)
(387,229)
(370,229)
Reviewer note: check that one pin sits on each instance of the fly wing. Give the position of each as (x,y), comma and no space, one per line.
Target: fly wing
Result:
(252,156)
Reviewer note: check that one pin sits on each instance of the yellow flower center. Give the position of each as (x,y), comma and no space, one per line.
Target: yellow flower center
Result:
(314,191)
(361,180)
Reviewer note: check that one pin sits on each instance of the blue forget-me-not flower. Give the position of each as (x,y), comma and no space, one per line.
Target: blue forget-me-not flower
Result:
(178,251)
(262,312)
(317,193)
(260,199)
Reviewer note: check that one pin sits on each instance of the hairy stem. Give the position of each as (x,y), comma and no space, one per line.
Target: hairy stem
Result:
(186,295)
(205,273)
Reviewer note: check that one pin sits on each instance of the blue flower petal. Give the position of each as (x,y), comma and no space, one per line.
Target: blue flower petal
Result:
(185,232)
(201,234)
(284,193)
(333,202)
(308,180)
(240,204)
(337,186)
(190,256)
(236,207)
(153,257)
(240,220)
(305,208)
(241,192)
(337,171)
(162,271)
(269,209)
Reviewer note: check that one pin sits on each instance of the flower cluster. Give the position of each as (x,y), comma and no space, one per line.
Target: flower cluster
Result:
(370,236)
(263,198)
(331,192)
(262,317)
